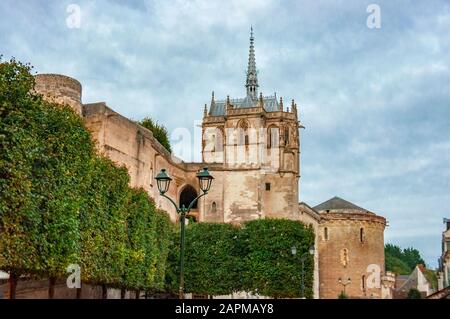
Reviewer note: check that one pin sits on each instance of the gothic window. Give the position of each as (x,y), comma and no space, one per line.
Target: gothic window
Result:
(213,208)
(214,143)
(363,282)
(267,186)
(361,235)
(272,137)
(243,133)
(325,233)
(344,257)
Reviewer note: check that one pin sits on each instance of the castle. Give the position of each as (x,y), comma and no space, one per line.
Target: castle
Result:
(251,146)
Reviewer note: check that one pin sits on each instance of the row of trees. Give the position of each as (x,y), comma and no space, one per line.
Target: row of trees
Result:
(255,257)
(61,203)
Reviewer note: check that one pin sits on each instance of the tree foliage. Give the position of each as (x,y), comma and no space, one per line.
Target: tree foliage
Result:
(269,267)
(212,263)
(222,258)
(159,131)
(402,262)
(61,203)
(103,224)
(413,293)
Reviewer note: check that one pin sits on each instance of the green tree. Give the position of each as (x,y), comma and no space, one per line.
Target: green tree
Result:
(164,230)
(402,262)
(140,267)
(44,172)
(103,225)
(269,268)
(342,295)
(413,293)
(159,132)
(412,257)
(212,263)
(20,218)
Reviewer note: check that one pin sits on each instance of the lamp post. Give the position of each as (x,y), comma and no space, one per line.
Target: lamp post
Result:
(302,261)
(344,284)
(163,181)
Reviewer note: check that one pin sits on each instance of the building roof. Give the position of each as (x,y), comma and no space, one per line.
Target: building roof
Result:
(337,203)
(217,108)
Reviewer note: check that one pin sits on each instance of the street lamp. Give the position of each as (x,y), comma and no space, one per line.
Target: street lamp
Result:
(163,182)
(344,284)
(302,260)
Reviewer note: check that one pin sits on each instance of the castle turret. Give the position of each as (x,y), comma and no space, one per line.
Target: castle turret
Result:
(60,89)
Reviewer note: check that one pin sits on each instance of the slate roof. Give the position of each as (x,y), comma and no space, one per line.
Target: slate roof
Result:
(337,203)
(270,105)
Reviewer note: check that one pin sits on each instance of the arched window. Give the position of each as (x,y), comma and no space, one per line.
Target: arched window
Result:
(344,257)
(187,195)
(361,235)
(242,129)
(325,233)
(213,208)
(272,137)
(363,283)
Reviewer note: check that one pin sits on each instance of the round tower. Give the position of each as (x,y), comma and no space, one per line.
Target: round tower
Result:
(60,89)
(351,250)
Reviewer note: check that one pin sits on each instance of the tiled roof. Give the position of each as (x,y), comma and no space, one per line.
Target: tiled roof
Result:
(337,203)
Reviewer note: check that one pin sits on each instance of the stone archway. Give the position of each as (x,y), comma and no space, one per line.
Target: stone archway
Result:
(187,195)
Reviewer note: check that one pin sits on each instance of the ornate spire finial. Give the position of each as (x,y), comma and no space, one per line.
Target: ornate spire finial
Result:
(228,100)
(281,103)
(252,77)
(205,111)
(212,99)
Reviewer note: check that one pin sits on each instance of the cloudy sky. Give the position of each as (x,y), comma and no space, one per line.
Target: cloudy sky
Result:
(375,101)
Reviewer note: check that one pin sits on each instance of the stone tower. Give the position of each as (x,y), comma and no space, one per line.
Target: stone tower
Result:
(60,89)
(255,141)
(351,250)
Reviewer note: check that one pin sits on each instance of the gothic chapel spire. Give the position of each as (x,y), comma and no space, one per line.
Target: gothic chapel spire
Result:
(252,77)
